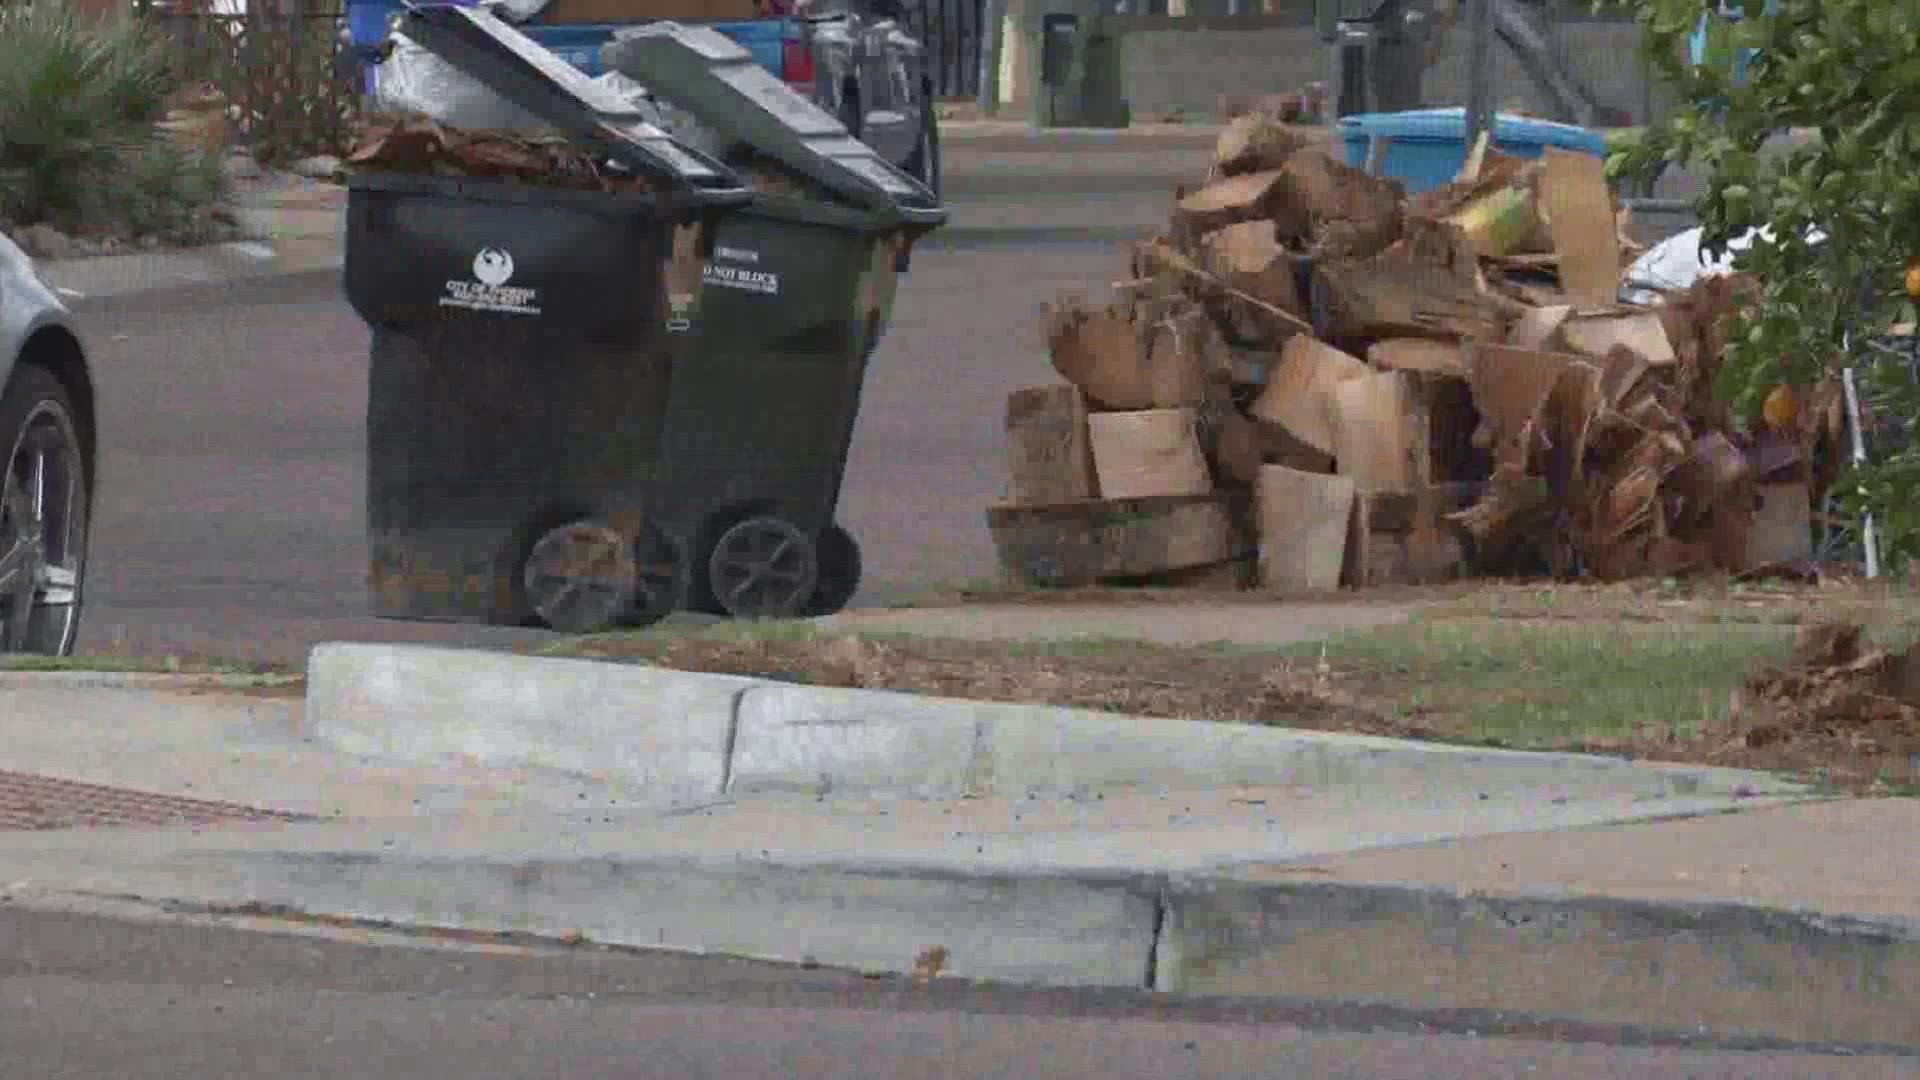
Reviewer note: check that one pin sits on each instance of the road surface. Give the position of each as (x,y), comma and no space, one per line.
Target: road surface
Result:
(86,996)
(230,521)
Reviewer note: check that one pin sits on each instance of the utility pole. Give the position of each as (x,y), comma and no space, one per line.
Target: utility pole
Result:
(1479,110)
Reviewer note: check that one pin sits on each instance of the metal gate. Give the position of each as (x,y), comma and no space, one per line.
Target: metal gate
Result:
(952,33)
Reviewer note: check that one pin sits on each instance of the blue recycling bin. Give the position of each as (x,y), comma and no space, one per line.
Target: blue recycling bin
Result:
(1700,44)
(1427,147)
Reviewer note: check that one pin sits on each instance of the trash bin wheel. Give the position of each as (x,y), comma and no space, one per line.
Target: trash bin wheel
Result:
(663,580)
(764,568)
(582,577)
(839,572)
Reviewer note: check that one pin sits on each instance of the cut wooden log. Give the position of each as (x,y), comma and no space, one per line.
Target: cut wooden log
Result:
(1539,328)
(1245,248)
(1158,255)
(1715,472)
(1185,339)
(1301,395)
(1418,354)
(1250,197)
(1435,555)
(1255,142)
(1579,210)
(1083,542)
(1599,333)
(1118,364)
(1451,420)
(1314,189)
(1148,453)
(1399,297)
(1379,552)
(1397,559)
(1234,575)
(1249,256)
(1239,449)
(1358,565)
(1051,460)
(1381,433)
(1498,171)
(1409,511)
(1304,519)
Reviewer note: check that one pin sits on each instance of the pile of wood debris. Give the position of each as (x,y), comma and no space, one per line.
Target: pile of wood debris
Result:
(1860,704)
(1388,389)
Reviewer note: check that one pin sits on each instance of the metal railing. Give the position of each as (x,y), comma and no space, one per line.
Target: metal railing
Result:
(292,86)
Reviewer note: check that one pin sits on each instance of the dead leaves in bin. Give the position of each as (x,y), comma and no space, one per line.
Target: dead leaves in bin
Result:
(420,145)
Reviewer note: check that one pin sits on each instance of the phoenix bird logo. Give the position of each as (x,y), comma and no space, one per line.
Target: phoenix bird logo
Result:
(493,267)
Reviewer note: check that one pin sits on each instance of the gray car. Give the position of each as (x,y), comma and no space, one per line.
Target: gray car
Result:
(872,74)
(47,445)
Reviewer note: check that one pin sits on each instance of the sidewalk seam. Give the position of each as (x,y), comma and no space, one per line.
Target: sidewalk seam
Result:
(1156,936)
(733,737)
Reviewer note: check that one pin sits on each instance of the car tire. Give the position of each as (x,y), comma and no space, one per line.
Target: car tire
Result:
(47,545)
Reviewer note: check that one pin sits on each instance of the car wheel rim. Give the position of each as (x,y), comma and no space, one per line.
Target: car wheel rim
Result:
(42,535)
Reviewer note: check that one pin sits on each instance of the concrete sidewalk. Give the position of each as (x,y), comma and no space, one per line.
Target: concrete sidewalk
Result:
(1372,880)
(1010,183)
(291,226)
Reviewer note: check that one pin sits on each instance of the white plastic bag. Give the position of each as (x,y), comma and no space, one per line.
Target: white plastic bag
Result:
(413,79)
(517,11)
(1677,262)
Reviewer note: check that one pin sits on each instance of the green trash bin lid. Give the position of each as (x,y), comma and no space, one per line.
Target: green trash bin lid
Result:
(713,77)
(517,68)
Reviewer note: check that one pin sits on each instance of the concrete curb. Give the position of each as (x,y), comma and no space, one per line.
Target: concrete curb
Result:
(669,732)
(699,735)
(1720,970)
(1723,969)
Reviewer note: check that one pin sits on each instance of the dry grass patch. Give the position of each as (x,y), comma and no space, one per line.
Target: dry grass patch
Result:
(1655,690)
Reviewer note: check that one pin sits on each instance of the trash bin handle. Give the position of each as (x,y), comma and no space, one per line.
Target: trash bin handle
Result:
(929,216)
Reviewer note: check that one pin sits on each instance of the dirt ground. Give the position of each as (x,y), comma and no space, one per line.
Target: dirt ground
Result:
(1396,687)
(1835,595)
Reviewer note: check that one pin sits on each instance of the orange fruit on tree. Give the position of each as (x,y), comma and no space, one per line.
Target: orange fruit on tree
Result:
(1780,410)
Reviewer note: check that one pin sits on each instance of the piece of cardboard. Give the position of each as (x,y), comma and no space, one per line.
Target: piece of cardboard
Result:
(1580,218)
(1418,354)
(1599,333)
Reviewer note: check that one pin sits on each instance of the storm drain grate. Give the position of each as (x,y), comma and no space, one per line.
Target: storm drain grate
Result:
(38,803)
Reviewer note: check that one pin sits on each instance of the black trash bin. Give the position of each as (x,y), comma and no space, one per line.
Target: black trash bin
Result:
(797,293)
(624,452)
(522,352)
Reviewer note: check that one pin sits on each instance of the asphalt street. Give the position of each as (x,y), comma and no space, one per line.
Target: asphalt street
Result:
(230,518)
(87,996)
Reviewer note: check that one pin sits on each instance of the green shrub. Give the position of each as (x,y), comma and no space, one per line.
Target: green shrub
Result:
(79,150)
